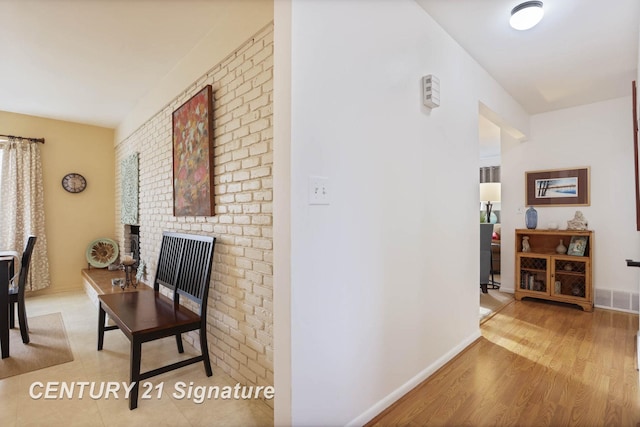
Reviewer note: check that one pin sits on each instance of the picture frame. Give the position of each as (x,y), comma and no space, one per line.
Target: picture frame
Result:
(578,245)
(193,168)
(636,159)
(558,187)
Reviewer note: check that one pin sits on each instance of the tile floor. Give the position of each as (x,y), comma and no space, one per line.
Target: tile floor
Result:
(17,408)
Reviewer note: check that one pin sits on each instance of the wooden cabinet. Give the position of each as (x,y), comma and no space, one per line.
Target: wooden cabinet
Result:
(544,273)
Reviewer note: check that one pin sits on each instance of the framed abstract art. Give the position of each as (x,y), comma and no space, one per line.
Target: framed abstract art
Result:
(193,156)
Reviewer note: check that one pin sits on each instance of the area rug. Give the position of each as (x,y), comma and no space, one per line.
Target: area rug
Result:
(49,346)
(492,302)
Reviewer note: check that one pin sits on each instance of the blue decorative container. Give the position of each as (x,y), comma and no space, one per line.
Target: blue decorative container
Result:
(531,218)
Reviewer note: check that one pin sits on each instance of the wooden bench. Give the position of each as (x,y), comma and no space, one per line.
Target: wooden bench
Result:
(184,266)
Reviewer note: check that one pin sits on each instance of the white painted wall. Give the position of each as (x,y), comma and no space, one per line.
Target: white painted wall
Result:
(384,281)
(489,139)
(597,135)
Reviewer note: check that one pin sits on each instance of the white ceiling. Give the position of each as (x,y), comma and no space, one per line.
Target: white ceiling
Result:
(582,51)
(92,61)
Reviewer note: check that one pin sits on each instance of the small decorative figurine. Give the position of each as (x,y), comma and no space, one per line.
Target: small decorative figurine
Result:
(579,222)
(525,244)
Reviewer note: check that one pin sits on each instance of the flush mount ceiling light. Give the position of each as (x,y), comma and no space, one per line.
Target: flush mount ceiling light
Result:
(526,15)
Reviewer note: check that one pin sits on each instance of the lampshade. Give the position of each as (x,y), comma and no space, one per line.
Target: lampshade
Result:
(526,15)
(490,192)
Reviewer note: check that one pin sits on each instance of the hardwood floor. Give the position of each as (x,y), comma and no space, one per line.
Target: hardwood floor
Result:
(537,364)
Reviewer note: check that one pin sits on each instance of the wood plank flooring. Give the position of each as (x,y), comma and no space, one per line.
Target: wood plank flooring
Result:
(537,364)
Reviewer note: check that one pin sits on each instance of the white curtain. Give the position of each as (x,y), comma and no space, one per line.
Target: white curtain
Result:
(22,206)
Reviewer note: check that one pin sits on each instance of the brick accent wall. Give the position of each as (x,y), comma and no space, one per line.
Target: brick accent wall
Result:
(240,316)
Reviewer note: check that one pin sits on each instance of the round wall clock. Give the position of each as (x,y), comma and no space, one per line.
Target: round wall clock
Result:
(74,183)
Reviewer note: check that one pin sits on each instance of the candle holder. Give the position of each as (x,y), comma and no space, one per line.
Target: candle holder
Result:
(127,262)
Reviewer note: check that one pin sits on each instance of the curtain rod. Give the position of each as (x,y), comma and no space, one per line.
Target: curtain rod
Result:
(41,140)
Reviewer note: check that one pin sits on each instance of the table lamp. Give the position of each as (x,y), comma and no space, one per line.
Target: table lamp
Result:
(489,192)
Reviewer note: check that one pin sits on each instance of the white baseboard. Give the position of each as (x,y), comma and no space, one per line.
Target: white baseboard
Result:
(392,397)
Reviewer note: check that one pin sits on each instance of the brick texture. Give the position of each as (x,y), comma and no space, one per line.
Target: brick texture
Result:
(240,315)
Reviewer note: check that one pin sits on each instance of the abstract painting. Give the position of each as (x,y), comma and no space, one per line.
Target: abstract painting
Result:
(193,156)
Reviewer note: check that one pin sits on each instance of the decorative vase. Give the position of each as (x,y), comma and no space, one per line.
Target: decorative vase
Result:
(531,218)
(561,248)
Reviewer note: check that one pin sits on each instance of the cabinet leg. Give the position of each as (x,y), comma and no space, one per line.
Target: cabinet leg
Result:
(586,307)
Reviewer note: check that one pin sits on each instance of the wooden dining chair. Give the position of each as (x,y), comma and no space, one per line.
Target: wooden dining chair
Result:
(184,266)
(16,293)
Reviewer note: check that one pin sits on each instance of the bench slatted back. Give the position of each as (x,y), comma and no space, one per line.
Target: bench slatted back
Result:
(184,266)
(169,261)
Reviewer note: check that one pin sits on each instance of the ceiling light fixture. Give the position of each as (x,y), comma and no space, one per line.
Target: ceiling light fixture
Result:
(526,15)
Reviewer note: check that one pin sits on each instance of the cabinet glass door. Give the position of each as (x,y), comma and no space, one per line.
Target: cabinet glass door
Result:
(569,277)
(533,273)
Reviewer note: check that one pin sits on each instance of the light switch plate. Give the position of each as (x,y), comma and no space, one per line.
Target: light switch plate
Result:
(318,190)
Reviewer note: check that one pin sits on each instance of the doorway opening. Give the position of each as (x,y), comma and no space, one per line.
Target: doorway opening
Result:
(489,213)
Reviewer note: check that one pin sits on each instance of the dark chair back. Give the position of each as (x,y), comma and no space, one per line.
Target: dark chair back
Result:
(184,266)
(17,298)
(24,265)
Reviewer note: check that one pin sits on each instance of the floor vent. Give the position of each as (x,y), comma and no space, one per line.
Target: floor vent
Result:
(617,300)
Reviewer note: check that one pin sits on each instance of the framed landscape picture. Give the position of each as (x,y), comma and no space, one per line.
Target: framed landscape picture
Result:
(559,187)
(193,156)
